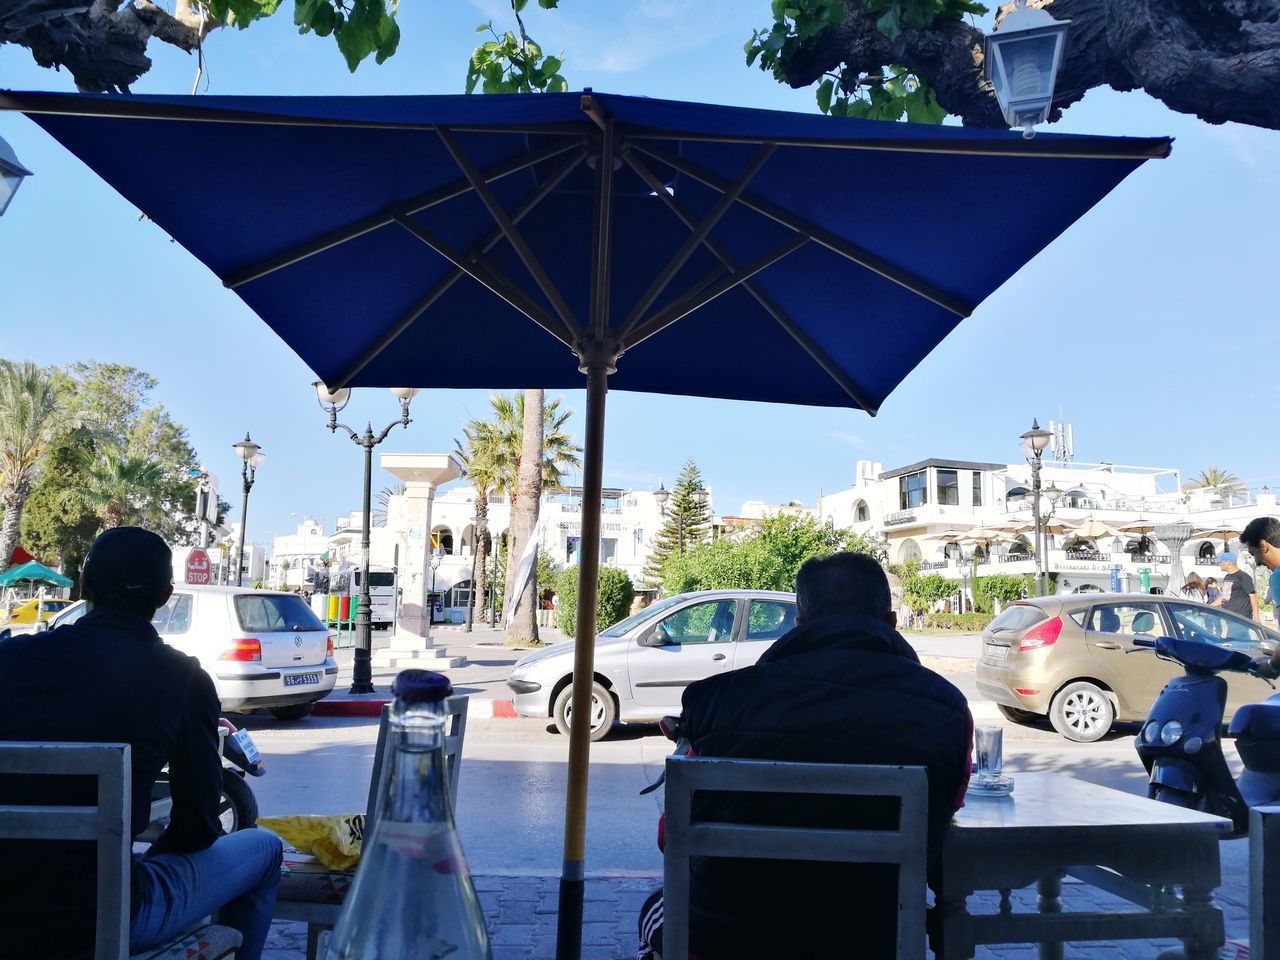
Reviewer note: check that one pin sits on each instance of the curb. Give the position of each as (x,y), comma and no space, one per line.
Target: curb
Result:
(476,709)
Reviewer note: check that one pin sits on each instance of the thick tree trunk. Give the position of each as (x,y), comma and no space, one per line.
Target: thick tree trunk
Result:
(524,520)
(13,501)
(480,564)
(102,43)
(1217,59)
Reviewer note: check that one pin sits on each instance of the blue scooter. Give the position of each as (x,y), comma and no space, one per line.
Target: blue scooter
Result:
(1180,743)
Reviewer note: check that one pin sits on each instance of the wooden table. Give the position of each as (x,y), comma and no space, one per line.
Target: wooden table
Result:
(1054,826)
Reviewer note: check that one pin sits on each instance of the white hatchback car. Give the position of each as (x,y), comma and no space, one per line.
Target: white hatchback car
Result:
(263,649)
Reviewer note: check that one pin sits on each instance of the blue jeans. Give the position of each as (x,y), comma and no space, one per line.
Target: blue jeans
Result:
(235,879)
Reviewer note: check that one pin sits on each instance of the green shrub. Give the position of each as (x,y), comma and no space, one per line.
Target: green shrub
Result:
(961,622)
(612,603)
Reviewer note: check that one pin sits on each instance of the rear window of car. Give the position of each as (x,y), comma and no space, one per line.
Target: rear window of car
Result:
(274,613)
(1020,616)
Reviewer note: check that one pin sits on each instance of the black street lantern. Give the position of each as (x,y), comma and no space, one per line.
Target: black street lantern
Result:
(12,173)
(1021,60)
(332,401)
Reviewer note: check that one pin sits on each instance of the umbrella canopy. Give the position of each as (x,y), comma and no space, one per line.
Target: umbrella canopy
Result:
(1141,526)
(33,572)
(658,246)
(1226,532)
(1092,529)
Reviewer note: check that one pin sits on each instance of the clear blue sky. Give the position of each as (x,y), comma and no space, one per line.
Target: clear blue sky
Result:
(1150,324)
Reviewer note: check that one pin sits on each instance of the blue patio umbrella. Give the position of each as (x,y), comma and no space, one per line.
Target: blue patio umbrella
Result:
(651,245)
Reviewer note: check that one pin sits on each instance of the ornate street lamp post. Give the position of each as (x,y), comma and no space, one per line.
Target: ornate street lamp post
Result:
(1174,536)
(252,455)
(332,401)
(662,495)
(1033,443)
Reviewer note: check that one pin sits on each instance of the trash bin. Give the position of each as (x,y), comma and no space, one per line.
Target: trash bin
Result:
(1144,580)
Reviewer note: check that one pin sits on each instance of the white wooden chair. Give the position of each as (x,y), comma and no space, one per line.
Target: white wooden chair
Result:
(107,824)
(686,837)
(313,893)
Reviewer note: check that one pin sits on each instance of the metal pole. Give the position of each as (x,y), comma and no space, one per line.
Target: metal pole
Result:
(247,477)
(1035,509)
(493,591)
(572,879)
(362,668)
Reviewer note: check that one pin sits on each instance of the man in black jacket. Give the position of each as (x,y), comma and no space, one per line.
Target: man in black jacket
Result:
(842,687)
(108,678)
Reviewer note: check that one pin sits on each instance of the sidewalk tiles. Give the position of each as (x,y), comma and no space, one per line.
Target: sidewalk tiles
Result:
(521,913)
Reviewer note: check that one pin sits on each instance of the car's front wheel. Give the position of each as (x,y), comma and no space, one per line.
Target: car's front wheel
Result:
(603,711)
(1081,712)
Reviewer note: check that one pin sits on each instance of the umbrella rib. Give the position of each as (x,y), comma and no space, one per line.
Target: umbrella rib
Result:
(478,268)
(514,237)
(766,302)
(386,216)
(705,294)
(445,283)
(844,248)
(602,249)
(701,231)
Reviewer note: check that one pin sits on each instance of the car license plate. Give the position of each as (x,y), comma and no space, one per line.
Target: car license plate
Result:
(301,679)
(249,748)
(997,653)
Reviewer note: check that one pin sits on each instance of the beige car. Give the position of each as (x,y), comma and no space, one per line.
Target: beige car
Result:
(1071,658)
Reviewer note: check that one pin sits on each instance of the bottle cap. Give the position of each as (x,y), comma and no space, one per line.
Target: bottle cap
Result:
(420,686)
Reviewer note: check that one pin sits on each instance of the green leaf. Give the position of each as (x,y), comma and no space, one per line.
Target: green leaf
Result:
(889,24)
(323,20)
(825,90)
(518,5)
(551,65)
(558,84)
(484,26)
(548,4)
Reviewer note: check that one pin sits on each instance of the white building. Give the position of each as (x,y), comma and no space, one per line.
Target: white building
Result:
(222,554)
(302,550)
(911,508)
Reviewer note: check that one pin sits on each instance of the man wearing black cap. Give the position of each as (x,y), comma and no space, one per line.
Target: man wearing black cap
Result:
(108,678)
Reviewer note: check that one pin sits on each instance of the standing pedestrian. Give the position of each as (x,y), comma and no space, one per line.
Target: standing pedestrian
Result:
(1262,539)
(1193,589)
(1238,592)
(1211,591)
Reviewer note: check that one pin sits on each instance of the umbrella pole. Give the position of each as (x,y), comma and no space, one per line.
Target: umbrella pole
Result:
(572,878)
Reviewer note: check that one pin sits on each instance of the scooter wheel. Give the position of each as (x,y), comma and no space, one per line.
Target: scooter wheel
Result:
(237,807)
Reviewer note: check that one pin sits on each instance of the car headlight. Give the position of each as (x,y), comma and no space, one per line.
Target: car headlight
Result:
(1151,732)
(1171,733)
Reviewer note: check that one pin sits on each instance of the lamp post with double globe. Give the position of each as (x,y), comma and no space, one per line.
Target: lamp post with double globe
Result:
(332,402)
(1033,443)
(252,455)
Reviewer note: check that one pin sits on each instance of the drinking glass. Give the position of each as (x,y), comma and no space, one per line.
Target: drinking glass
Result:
(988,749)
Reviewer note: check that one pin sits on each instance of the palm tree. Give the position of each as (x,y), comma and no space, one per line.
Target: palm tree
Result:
(1222,482)
(477,456)
(122,487)
(30,422)
(501,441)
(506,433)
(378,515)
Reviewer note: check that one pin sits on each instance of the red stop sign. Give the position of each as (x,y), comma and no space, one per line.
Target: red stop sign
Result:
(198,567)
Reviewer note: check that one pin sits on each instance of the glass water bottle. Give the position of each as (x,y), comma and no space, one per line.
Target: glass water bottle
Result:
(412,896)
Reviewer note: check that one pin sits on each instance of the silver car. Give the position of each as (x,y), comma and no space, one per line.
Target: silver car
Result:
(643,663)
(263,649)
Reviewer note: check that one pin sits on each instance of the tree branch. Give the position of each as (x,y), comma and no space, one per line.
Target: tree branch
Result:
(1217,59)
(102,44)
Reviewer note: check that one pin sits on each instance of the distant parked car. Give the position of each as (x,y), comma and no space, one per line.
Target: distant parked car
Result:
(644,663)
(263,649)
(1068,657)
(25,612)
